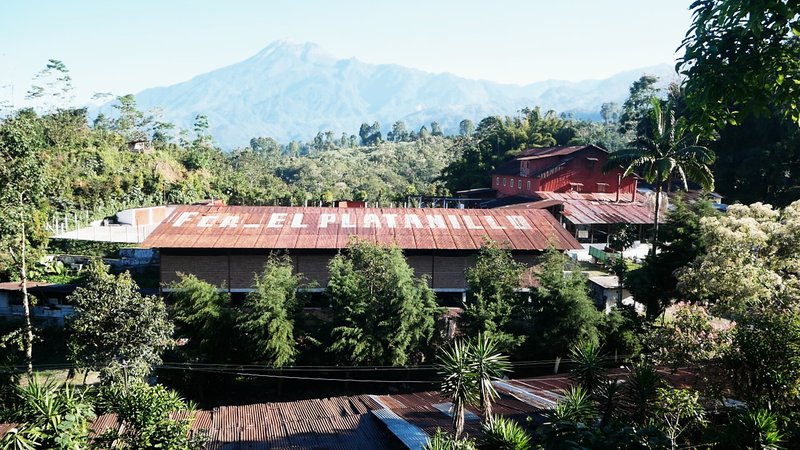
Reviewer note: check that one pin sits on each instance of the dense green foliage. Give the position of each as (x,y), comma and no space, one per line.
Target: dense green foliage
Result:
(150,417)
(767,339)
(654,283)
(742,57)
(752,259)
(382,315)
(114,329)
(564,313)
(505,434)
(758,161)
(741,61)
(202,314)
(49,416)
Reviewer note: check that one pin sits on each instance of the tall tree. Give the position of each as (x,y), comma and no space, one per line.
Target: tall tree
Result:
(23,194)
(399,132)
(423,134)
(636,107)
(114,328)
(667,150)
(269,312)
(466,127)
(382,315)
(131,123)
(53,84)
(436,129)
(492,293)
(752,259)
(565,314)
(202,313)
(758,160)
(609,112)
(370,134)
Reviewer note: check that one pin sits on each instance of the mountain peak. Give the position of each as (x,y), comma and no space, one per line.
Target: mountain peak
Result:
(293,89)
(291,48)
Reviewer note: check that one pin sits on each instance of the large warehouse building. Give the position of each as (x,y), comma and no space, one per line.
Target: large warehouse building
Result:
(227,246)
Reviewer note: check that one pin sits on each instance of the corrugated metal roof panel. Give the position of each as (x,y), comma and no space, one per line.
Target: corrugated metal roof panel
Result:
(332,228)
(593,208)
(410,435)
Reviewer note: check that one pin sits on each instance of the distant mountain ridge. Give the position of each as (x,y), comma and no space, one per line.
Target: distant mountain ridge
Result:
(293,90)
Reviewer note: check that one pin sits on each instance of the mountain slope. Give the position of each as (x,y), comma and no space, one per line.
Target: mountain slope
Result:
(292,91)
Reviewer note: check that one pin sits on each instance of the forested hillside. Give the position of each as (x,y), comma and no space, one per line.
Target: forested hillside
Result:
(56,161)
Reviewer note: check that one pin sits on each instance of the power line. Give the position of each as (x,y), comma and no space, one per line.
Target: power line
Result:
(292,377)
(309,368)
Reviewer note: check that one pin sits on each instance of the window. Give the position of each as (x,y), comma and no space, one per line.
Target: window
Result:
(504,181)
(511,183)
(497,182)
(602,187)
(519,184)
(529,185)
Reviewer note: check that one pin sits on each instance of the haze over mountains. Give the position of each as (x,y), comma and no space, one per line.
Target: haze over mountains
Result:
(293,90)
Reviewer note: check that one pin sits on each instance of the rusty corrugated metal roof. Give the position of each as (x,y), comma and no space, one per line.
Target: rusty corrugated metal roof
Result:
(594,208)
(347,422)
(421,409)
(330,423)
(331,228)
(17,285)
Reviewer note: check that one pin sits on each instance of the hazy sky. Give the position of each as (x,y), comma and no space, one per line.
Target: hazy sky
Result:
(126,46)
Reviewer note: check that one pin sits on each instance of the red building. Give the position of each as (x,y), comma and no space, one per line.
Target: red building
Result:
(570,183)
(560,169)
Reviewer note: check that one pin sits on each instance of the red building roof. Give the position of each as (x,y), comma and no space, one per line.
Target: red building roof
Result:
(539,153)
(331,228)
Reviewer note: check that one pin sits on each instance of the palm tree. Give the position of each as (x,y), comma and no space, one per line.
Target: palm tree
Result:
(576,406)
(460,383)
(668,150)
(488,365)
(590,370)
(641,389)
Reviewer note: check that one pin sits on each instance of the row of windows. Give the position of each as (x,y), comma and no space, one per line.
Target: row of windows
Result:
(510,182)
(601,187)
